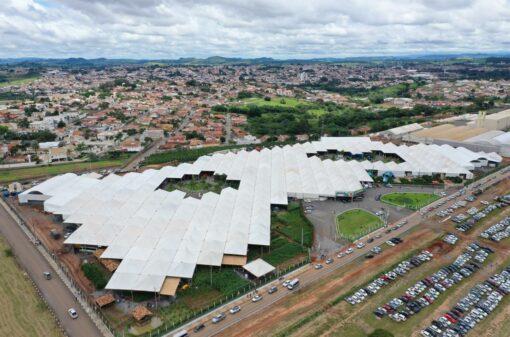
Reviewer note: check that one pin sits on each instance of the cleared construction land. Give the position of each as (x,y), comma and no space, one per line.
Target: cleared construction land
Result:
(22,312)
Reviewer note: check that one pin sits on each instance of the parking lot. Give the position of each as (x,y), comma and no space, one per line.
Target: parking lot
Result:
(324,213)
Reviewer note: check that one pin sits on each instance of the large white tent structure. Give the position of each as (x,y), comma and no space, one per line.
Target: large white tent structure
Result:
(162,235)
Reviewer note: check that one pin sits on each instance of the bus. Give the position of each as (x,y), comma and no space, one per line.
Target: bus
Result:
(293,284)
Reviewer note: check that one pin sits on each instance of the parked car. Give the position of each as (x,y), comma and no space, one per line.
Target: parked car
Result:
(256,298)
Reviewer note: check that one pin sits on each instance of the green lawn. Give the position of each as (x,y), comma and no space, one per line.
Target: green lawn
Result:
(276,101)
(409,200)
(355,223)
(18,174)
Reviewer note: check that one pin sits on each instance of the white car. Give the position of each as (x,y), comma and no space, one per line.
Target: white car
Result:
(235,310)
(389,243)
(285,283)
(72,312)
(350,250)
(256,298)
(360,245)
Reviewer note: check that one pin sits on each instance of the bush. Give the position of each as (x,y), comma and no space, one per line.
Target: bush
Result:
(95,274)
(381,333)
(8,252)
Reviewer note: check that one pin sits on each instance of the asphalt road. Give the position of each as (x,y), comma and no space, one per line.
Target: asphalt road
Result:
(55,291)
(309,275)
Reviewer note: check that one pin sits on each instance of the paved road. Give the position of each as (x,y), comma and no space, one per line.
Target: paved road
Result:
(308,274)
(55,292)
(153,148)
(228,129)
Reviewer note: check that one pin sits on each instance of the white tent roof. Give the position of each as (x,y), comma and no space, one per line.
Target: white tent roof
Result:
(160,234)
(258,268)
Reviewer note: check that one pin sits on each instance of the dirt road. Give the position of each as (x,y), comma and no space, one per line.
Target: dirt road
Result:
(55,292)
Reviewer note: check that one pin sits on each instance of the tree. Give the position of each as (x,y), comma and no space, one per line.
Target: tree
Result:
(61,124)
(24,123)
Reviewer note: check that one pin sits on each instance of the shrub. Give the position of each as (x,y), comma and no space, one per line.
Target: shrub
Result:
(381,333)
(8,252)
(95,274)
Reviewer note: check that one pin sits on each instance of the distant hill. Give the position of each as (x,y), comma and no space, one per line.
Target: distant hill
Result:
(220,60)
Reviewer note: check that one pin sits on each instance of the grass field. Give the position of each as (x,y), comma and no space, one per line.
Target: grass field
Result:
(42,171)
(23,313)
(355,223)
(285,102)
(276,101)
(20,81)
(409,200)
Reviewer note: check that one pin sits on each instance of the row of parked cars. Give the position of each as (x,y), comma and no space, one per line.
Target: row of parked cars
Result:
(478,215)
(450,238)
(401,269)
(451,209)
(481,300)
(427,290)
(498,231)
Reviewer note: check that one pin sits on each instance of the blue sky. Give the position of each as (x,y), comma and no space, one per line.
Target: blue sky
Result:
(256,28)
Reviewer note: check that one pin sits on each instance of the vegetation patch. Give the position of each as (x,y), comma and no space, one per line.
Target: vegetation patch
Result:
(96,274)
(293,224)
(23,311)
(409,200)
(185,155)
(355,223)
(55,169)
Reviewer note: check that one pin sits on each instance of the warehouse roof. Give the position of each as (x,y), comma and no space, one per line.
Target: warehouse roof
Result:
(159,234)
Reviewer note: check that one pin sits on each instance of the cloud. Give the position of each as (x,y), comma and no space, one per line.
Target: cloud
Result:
(242,28)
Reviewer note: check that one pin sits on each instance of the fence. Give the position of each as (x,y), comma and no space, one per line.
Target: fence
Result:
(165,328)
(86,303)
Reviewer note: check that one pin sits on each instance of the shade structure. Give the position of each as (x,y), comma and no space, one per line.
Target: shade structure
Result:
(159,235)
(258,268)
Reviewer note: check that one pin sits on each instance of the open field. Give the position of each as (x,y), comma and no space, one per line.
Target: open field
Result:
(276,101)
(19,81)
(18,174)
(355,223)
(409,200)
(22,312)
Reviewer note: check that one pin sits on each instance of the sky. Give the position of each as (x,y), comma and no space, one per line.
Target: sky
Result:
(168,29)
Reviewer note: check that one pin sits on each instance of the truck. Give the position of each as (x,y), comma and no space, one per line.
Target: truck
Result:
(293,284)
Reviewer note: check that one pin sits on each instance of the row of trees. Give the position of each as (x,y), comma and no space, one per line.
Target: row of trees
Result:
(336,121)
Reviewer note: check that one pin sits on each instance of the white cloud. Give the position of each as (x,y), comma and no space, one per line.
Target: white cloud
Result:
(277,28)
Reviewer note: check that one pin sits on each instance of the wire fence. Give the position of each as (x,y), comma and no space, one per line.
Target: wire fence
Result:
(167,327)
(74,287)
